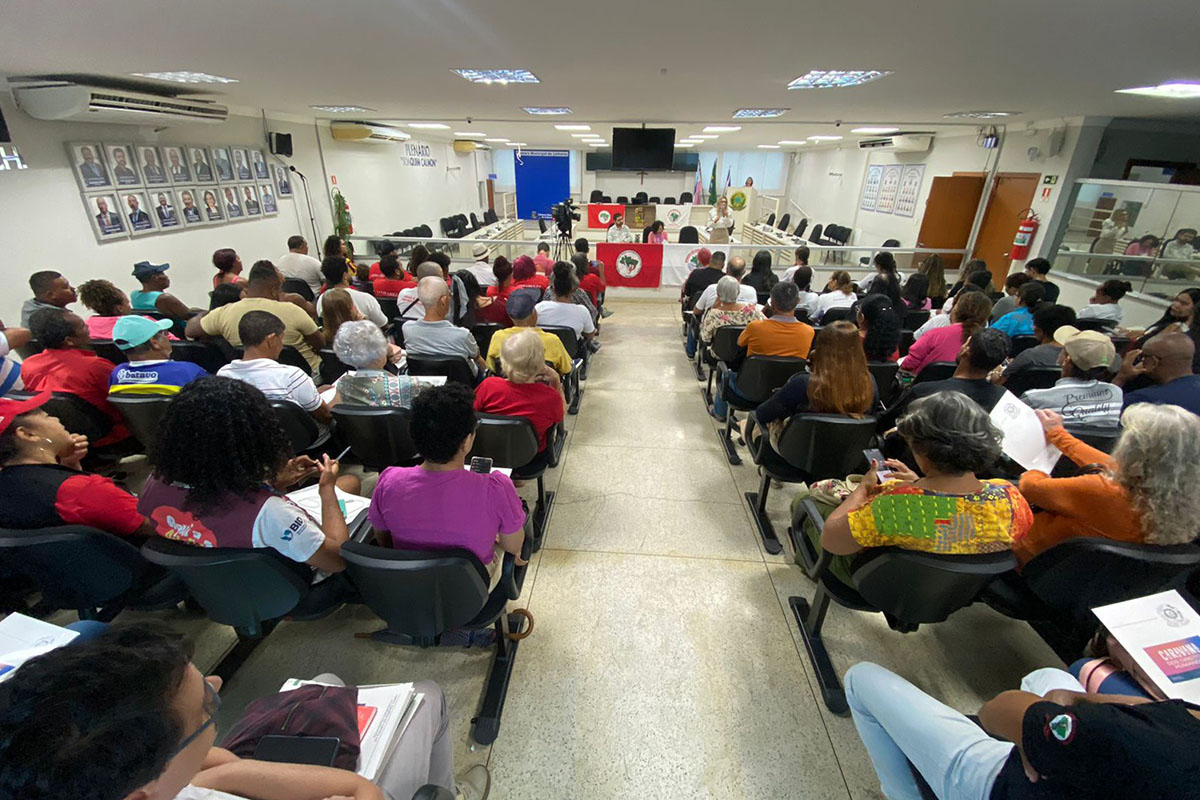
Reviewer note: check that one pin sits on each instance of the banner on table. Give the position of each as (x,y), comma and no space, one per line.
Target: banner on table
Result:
(600,215)
(678,261)
(634,265)
(673,217)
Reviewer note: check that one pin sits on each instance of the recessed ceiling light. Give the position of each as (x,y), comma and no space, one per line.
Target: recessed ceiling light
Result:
(980,114)
(792,142)
(704,135)
(824,138)
(341,109)
(518,144)
(429,126)
(572,127)
(722,128)
(1175,90)
(183,76)
(471,134)
(751,113)
(497,141)
(586,136)
(685,144)
(768,147)
(501,76)
(597,144)
(548,110)
(837,78)
(874,130)
(692,141)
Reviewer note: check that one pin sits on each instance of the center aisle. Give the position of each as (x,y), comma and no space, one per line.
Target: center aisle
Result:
(662,664)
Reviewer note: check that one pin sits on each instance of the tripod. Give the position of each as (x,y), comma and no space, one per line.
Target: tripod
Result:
(564,246)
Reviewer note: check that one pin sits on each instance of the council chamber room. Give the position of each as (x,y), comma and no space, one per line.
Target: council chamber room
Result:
(444,401)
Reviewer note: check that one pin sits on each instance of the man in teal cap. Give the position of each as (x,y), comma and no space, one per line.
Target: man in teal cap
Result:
(152,296)
(150,370)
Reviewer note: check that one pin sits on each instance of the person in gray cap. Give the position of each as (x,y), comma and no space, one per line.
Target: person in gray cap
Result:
(482,268)
(521,310)
(152,296)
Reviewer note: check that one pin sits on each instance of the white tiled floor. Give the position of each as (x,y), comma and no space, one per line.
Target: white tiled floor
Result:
(665,662)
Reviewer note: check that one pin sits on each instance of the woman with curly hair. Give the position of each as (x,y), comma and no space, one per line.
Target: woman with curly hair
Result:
(107,302)
(222,465)
(1144,492)
(879,327)
(229,267)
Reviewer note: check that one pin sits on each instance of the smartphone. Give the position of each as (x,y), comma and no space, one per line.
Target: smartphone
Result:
(481,465)
(319,751)
(873,455)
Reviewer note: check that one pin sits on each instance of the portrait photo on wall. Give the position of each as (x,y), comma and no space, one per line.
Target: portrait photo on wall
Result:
(165,211)
(232,203)
(202,169)
(190,210)
(213,212)
(241,164)
(135,206)
(105,213)
(87,162)
(150,160)
(175,163)
(249,200)
(222,163)
(259,164)
(267,193)
(283,180)
(121,162)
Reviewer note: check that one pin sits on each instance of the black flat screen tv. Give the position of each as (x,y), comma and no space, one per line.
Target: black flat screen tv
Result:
(643,149)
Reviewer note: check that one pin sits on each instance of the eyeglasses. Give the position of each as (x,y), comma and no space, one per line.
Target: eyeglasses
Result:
(212,705)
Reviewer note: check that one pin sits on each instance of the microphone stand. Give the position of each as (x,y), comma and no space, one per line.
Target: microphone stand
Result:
(307,199)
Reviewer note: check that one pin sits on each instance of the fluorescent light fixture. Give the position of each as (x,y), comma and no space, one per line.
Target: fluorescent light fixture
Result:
(824,138)
(497,141)
(184,76)
(722,128)
(872,130)
(791,142)
(429,126)
(837,78)
(587,136)
(597,144)
(685,144)
(980,114)
(768,147)
(702,136)
(691,141)
(470,134)
(546,110)
(341,109)
(518,144)
(1175,90)
(759,113)
(572,127)
(500,76)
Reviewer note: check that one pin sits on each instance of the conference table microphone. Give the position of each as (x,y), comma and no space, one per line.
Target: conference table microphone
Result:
(312,219)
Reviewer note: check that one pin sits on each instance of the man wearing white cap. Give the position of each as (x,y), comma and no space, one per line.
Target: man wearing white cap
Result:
(1083,395)
(482,268)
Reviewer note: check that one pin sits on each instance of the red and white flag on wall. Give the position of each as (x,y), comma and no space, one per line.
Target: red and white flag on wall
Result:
(634,265)
(600,215)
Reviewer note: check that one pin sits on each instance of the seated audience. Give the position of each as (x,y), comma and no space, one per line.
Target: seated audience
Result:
(915,293)
(297,264)
(435,336)
(801,260)
(1083,395)
(879,326)
(361,346)
(502,286)
(1104,304)
(443,260)
(67,364)
(522,310)
(1144,492)
(107,304)
(149,369)
(525,275)
(945,510)
(1020,321)
(979,355)
(975,273)
(441,504)
(942,318)
(262,293)
(969,315)
(698,280)
(221,463)
(1166,360)
(383,249)
(474,299)
(1180,317)
(1012,285)
(229,267)
(931,267)
(1047,320)
(482,268)
(335,246)
(10,369)
(40,464)
(727,310)
(542,260)
(392,279)
(336,309)
(50,290)
(1049,740)
(225,294)
(336,270)
(885,280)
(530,388)
(737,268)
(760,277)
(561,310)
(416,257)
(153,294)
(1038,269)
(409,300)
(591,280)
(839,293)
(809,299)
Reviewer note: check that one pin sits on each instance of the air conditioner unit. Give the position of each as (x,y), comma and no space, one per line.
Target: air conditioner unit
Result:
(897,144)
(71,101)
(366,133)
(469,145)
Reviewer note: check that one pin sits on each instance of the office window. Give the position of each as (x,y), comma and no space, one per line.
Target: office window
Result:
(768,168)
(10,158)
(504,162)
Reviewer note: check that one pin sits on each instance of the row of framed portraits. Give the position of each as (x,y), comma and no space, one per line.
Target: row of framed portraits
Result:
(103,166)
(118,214)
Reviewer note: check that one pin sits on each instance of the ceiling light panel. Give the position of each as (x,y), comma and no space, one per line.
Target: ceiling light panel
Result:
(518,144)
(824,138)
(546,110)
(768,147)
(183,76)
(759,113)
(342,109)
(497,141)
(980,114)
(722,128)
(791,142)
(837,78)
(1176,90)
(470,134)
(703,136)
(572,127)
(685,144)
(429,126)
(874,130)
(500,76)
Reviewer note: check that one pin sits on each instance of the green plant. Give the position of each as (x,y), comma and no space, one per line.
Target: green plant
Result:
(343,223)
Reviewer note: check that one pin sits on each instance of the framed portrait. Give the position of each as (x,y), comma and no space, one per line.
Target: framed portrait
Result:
(283,180)
(176,165)
(258,163)
(251,204)
(200,163)
(211,208)
(87,162)
(241,164)
(108,222)
(222,163)
(123,165)
(191,206)
(150,161)
(164,209)
(266,194)
(139,218)
(231,202)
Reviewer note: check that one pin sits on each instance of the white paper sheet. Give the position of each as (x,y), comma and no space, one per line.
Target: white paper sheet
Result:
(22,638)
(1162,634)
(309,499)
(1024,441)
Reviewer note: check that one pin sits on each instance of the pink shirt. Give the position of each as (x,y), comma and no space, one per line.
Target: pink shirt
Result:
(657,238)
(939,344)
(101,327)
(426,510)
(544,263)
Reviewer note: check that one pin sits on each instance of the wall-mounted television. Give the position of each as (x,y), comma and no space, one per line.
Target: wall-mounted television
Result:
(643,149)
(601,161)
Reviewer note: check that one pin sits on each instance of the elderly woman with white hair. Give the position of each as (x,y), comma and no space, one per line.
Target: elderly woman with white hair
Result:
(1146,491)
(727,310)
(360,344)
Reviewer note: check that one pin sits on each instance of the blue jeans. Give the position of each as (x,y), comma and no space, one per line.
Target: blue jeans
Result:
(899,724)
(720,407)
(690,347)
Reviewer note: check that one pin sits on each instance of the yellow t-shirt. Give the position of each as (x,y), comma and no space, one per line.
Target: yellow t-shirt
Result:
(556,354)
(297,324)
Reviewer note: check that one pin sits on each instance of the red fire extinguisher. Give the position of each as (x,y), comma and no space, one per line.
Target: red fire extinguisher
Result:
(1025,233)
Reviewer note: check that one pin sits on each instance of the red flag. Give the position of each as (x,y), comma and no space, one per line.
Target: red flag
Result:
(634,265)
(600,215)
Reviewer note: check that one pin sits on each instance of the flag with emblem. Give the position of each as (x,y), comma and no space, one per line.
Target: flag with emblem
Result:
(678,261)
(600,215)
(672,217)
(634,265)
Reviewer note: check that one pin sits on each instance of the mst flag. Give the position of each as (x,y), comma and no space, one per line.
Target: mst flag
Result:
(634,265)
(678,261)
(600,215)
(673,217)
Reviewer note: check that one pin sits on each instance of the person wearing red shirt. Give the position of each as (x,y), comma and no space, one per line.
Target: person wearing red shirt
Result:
(497,311)
(542,260)
(530,389)
(67,365)
(376,271)
(392,279)
(525,274)
(589,279)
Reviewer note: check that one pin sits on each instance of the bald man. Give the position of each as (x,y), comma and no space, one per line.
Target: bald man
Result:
(409,300)
(1167,360)
(435,336)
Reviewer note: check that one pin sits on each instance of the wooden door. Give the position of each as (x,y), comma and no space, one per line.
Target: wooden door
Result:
(949,214)
(1011,194)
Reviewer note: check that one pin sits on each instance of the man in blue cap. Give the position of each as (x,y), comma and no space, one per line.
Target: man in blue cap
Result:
(522,312)
(152,296)
(150,370)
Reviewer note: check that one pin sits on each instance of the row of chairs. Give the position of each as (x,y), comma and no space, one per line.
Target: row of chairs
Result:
(639,199)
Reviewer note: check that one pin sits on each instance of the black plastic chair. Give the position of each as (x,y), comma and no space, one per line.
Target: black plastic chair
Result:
(906,341)
(645,234)
(379,437)
(654,200)
(595,196)
(142,414)
(640,199)
(1022,343)
(915,318)
(76,414)
(483,333)
(689,235)
(93,573)
(422,594)
(389,306)
(724,348)
(1032,378)
(299,427)
(512,443)
(474,222)
(884,373)
(106,349)
(577,350)
(668,201)
(685,197)
(210,357)
(453,368)
(606,199)
(812,447)
(300,287)
(801,226)
(771,218)
(331,366)
(291,357)
(848,313)
(541,225)
(1091,324)
(622,199)
(758,378)
(815,236)
(784,221)
(936,371)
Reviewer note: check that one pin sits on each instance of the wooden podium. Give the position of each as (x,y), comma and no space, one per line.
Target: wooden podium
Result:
(743,206)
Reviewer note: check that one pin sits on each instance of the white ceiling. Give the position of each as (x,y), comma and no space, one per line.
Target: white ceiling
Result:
(620,61)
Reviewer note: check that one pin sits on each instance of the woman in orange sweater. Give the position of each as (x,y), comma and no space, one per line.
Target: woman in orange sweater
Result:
(1144,492)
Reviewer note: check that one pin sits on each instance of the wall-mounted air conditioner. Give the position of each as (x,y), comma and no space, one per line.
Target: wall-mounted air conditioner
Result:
(366,133)
(469,145)
(897,144)
(76,103)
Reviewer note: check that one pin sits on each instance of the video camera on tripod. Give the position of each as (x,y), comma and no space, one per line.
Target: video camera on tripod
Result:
(564,214)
